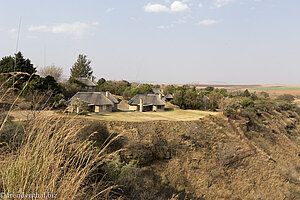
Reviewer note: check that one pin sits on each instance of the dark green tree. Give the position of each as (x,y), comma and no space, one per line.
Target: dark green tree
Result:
(81,67)
(209,88)
(8,65)
(41,84)
(246,93)
(101,81)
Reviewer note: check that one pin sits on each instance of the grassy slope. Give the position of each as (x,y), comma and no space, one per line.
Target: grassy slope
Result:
(210,159)
(173,115)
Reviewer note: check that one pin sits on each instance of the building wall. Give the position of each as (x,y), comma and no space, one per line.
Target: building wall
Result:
(115,107)
(101,109)
(133,107)
(108,108)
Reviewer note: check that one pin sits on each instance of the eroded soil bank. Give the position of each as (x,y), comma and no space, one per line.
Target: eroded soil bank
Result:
(211,158)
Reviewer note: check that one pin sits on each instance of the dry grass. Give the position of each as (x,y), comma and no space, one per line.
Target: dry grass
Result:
(173,115)
(51,159)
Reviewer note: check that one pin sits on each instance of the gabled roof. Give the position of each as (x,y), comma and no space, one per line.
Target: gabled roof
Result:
(88,82)
(148,99)
(95,98)
(111,97)
(169,96)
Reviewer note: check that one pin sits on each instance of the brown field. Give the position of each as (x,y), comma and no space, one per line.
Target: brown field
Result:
(273,90)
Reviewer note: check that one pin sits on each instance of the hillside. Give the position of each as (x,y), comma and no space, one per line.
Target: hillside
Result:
(211,158)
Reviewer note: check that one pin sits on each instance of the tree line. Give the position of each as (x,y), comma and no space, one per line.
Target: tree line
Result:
(46,86)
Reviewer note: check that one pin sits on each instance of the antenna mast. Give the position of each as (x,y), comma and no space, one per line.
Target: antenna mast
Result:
(17,46)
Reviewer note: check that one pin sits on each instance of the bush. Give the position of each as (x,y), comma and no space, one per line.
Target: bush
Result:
(229,106)
(286,97)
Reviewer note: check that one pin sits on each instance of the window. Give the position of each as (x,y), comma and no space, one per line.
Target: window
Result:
(105,107)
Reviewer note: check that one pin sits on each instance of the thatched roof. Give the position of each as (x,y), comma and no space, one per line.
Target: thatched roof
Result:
(148,99)
(157,91)
(169,96)
(111,97)
(95,98)
(88,82)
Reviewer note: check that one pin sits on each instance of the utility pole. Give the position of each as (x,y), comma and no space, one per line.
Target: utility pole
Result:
(15,64)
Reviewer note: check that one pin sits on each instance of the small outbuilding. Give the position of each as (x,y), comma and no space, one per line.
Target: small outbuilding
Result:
(147,102)
(169,97)
(158,91)
(89,83)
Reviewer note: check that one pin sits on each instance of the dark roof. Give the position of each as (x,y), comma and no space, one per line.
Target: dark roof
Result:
(111,97)
(88,82)
(148,99)
(169,96)
(157,91)
(95,98)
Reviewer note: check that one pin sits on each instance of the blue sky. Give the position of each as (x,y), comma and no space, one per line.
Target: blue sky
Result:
(163,41)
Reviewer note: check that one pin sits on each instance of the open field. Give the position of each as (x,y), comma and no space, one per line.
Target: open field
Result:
(23,115)
(172,115)
(273,90)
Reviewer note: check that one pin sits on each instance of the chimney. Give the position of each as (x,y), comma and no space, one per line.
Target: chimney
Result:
(141,105)
(160,96)
(107,93)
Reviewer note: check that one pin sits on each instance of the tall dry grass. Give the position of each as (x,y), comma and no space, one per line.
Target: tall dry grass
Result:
(52,159)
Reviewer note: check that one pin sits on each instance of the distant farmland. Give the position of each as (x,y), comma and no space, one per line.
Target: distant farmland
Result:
(273,90)
(280,88)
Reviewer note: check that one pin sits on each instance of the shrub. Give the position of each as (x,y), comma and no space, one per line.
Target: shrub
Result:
(286,97)
(229,106)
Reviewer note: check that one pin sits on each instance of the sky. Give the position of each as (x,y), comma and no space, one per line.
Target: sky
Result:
(160,41)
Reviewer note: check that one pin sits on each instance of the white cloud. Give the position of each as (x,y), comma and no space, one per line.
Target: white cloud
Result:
(176,6)
(221,3)
(155,8)
(13,33)
(166,27)
(208,22)
(200,5)
(76,29)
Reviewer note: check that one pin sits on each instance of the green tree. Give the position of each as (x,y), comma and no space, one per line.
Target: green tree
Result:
(41,84)
(179,97)
(169,89)
(246,93)
(81,67)
(18,63)
(101,81)
(209,88)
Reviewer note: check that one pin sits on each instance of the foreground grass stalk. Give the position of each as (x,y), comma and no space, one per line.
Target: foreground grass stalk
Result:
(52,159)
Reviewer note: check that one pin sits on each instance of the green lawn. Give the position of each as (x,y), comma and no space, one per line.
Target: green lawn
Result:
(171,115)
